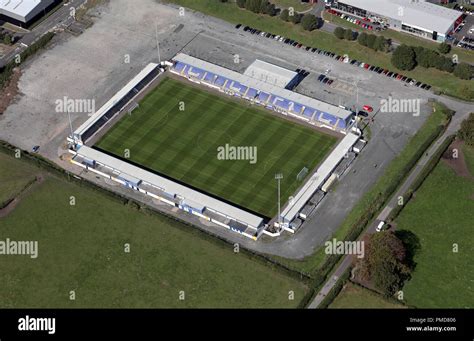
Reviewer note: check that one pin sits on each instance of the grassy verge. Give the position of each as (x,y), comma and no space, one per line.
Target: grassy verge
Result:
(15,176)
(296,4)
(440,215)
(357,297)
(81,248)
(444,82)
(372,201)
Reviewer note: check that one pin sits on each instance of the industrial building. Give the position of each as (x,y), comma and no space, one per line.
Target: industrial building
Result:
(24,12)
(420,18)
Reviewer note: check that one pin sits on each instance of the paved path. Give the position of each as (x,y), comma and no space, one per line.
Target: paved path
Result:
(345,264)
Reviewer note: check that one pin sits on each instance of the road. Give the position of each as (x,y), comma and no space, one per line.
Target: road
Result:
(62,16)
(346,262)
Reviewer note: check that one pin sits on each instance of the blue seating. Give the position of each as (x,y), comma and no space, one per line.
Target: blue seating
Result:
(263,97)
(209,78)
(220,81)
(252,93)
(297,108)
(178,66)
(308,112)
(328,118)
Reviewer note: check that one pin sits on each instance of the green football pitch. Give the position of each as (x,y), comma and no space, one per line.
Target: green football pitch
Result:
(178,129)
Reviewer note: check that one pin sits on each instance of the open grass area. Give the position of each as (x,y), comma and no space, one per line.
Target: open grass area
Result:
(357,297)
(391,175)
(81,248)
(441,214)
(14,177)
(296,4)
(185,144)
(443,81)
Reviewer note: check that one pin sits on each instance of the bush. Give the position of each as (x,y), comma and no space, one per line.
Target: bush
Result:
(371,38)
(403,58)
(349,35)
(466,133)
(339,32)
(309,22)
(463,71)
(241,3)
(362,39)
(285,15)
(296,18)
(444,48)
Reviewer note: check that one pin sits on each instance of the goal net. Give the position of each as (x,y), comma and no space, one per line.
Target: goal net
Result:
(302,174)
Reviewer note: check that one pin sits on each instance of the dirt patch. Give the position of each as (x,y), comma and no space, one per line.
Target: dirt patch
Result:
(453,157)
(9,92)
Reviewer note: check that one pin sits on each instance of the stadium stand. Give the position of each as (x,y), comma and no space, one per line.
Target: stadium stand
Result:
(269,95)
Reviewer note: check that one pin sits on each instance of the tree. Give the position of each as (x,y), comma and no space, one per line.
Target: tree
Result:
(7,39)
(380,44)
(385,262)
(309,22)
(466,133)
(463,71)
(296,18)
(403,58)
(339,32)
(444,48)
(263,6)
(285,15)
(241,3)
(371,41)
(362,39)
(349,35)
(271,9)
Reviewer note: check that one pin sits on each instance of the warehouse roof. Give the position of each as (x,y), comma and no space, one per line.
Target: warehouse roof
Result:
(270,73)
(419,14)
(265,87)
(18,7)
(191,197)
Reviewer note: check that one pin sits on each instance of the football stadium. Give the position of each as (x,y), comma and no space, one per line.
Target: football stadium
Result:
(242,151)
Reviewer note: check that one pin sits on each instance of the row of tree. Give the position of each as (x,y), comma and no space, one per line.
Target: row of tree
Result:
(407,57)
(372,41)
(258,6)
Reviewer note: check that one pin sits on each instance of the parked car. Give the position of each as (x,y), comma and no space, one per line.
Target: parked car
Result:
(380,226)
(368,108)
(238,26)
(321,77)
(36,149)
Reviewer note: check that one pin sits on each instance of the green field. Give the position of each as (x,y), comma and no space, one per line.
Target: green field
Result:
(442,214)
(440,80)
(357,297)
(184,144)
(81,248)
(14,179)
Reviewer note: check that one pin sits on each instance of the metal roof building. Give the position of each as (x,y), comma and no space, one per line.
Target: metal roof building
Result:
(270,73)
(23,11)
(407,15)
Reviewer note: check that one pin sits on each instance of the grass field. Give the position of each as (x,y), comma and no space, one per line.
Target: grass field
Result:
(81,248)
(14,177)
(183,144)
(443,81)
(440,215)
(357,297)
(296,4)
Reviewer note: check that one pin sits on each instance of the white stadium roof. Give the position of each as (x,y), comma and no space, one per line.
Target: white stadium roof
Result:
(420,14)
(270,73)
(192,197)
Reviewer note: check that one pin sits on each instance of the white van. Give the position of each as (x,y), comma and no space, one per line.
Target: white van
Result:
(380,226)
